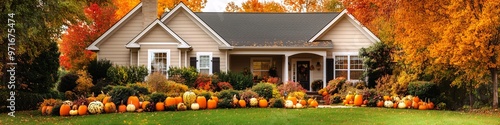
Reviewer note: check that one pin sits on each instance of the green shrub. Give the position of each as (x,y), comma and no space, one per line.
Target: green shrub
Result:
(141,89)
(264,90)
(239,81)
(157,97)
(317,85)
(225,103)
(68,82)
(228,94)
(423,89)
(24,100)
(188,74)
(121,93)
(121,75)
(206,94)
(98,69)
(247,95)
(99,85)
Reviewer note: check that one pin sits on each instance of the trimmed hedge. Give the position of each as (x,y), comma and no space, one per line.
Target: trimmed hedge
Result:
(423,89)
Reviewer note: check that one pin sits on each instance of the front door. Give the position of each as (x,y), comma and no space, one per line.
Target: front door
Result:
(303,73)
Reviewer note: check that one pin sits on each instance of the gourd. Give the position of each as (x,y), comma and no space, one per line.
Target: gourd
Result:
(235,101)
(122,108)
(134,100)
(48,110)
(386,98)
(145,104)
(423,106)
(303,102)
(402,105)
(73,111)
(106,99)
(388,104)
(195,106)
(215,98)
(298,105)
(181,107)
(288,104)
(293,99)
(211,104)
(380,103)
(202,102)
(189,98)
(130,107)
(314,103)
(109,107)
(150,107)
(415,105)
(416,99)
(309,101)
(430,105)
(95,107)
(170,102)
(263,103)
(178,100)
(253,102)
(91,98)
(82,110)
(349,98)
(160,106)
(358,100)
(242,103)
(64,110)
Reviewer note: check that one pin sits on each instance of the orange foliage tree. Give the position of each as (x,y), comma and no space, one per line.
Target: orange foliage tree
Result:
(124,6)
(256,6)
(78,36)
(287,6)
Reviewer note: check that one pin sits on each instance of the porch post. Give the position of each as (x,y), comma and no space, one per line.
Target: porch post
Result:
(285,72)
(324,71)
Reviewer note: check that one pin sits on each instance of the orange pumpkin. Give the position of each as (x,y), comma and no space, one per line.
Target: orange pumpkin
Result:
(202,101)
(263,103)
(82,110)
(314,104)
(423,106)
(122,108)
(215,98)
(386,98)
(415,105)
(211,104)
(430,105)
(91,98)
(293,99)
(44,110)
(416,99)
(358,100)
(349,98)
(134,100)
(145,104)
(178,100)
(380,103)
(309,101)
(170,102)
(303,102)
(395,105)
(160,106)
(48,110)
(324,93)
(64,110)
(408,103)
(109,107)
(106,99)
(242,103)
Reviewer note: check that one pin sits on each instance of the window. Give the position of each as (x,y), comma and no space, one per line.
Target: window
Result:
(204,64)
(349,67)
(260,66)
(158,60)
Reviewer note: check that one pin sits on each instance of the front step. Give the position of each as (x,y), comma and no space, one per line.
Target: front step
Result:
(318,97)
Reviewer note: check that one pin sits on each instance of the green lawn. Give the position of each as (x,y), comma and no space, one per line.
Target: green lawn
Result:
(266,116)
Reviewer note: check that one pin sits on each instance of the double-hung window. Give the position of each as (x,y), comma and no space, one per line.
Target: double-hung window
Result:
(349,67)
(204,64)
(158,60)
(260,66)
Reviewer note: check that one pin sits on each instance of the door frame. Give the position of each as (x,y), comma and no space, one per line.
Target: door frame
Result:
(294,69)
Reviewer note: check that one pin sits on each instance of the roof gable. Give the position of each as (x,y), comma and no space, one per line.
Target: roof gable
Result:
(127,17)
(182,7)
(134,42)
(353,20)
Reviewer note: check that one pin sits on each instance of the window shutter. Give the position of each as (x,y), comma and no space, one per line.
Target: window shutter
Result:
(192,62)
(216,65)
(329,69)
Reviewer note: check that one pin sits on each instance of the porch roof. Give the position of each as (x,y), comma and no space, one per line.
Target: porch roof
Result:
(269,29)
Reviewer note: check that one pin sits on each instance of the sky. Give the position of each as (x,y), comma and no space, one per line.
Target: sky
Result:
(220,5)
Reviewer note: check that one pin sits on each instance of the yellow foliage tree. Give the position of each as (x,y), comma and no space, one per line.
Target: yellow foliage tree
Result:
(83,83)
(124,6)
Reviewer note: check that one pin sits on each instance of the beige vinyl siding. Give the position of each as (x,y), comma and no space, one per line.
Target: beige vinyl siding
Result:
(158,35)
(133,58)
(174,54)
(195,36)
(346,37)
(113,48)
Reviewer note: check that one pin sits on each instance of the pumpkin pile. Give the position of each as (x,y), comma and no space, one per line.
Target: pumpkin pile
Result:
(407,102)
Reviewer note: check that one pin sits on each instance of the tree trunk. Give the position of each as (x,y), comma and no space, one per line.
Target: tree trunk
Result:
(494,79)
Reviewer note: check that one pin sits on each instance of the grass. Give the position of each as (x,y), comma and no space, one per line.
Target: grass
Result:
(265,116)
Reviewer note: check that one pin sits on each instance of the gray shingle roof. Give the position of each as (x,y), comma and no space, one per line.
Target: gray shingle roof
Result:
(267,29)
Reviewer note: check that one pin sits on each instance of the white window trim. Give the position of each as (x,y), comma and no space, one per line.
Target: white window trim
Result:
(259,58)
(348,54)
(210,56)
(150,59)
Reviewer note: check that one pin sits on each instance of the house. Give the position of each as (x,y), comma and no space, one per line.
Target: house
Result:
(302,47)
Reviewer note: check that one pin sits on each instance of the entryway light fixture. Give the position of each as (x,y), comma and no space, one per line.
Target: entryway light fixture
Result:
(318,66)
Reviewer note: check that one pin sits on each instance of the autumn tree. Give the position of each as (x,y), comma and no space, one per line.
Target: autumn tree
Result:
(124,6)
(314,5)
(81,34)
(256,6)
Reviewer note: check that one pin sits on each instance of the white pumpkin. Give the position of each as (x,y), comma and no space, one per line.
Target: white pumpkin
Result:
(388,104)
(195,106)
(254,102)
(130,108)
(73,112)
(96,107)
(288,104)
(402,105)
(298,106)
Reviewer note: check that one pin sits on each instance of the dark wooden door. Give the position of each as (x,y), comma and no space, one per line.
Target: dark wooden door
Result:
(303,73)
